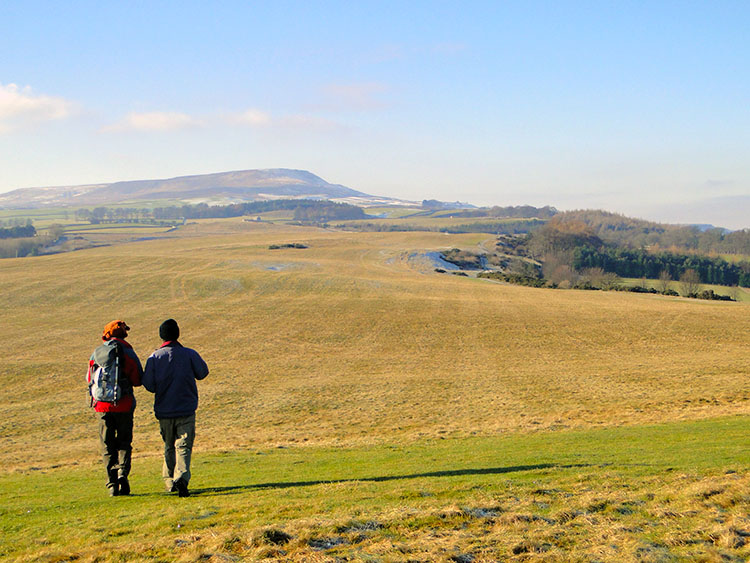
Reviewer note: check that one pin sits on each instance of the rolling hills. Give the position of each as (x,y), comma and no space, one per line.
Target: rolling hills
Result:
(242,185)
(350,384)
(355,340)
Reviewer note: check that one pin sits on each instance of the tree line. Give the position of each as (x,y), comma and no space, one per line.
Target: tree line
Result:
(322,211)
(640,263)
(636,233)
(490,227)
(304,210)
(576,245)
(512,211)
(18,231)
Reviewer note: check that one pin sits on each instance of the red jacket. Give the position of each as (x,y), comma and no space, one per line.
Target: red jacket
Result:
(132,370)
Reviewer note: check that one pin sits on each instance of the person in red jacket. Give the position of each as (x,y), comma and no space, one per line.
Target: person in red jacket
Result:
(116,418)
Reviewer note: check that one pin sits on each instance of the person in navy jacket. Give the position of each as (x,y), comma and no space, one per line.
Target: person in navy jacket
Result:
(171,374)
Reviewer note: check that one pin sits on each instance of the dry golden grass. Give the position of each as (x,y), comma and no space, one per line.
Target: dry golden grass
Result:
(597,514)
(354,340)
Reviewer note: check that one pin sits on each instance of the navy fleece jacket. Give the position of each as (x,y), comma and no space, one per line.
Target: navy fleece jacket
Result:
(171,372)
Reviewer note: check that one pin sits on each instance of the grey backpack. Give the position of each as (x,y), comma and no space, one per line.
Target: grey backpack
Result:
(107,383)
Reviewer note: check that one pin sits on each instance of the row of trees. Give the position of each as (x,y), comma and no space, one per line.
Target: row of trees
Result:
(15,222)
(566,245)
(24,231)
(27,246)
(323,211)
(304,210)
(522,226)
(635,233)
(643,264)
(513,211)
(112,214)
(205,211)
(492,227)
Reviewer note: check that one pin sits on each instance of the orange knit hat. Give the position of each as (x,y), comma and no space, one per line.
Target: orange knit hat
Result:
(115,329)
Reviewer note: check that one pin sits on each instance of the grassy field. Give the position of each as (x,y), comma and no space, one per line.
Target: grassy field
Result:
(672,492)
(736,293)
(350,362)
(43,218)
(392,212)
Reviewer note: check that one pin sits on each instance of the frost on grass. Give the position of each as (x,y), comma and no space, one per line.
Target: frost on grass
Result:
(657,518)
(654,519)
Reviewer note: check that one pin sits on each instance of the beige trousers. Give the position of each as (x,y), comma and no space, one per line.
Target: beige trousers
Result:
(178,435)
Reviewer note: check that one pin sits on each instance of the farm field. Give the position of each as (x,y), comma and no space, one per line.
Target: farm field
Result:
(45,217)
(392,212)
(736,293)
(353,358)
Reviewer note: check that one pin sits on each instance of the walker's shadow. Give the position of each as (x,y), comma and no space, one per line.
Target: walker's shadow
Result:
(451,473)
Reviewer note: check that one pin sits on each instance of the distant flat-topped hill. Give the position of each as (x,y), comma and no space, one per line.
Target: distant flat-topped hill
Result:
(242,185)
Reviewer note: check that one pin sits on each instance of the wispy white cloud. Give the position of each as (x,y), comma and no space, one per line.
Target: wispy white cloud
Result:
(252,117)
(154,121)
(20,107)
(259,119)
(362,96)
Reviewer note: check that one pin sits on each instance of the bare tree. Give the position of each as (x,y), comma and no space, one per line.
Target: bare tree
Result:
(55,231)
(558,272)
(595,276)
(690,283)
(610,281)
(665,280)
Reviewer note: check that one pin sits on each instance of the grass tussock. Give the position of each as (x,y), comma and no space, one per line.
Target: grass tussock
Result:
(563,528)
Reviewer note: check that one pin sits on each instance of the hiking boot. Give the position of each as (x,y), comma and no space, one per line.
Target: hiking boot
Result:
(182,488)
(113,489)
(124,486)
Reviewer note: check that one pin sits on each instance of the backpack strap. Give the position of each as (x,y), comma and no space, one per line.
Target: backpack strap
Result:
(122,379)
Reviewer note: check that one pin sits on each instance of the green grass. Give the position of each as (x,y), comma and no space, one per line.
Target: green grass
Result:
(83,228)
(276,215)
(392,212)
(545,496)
(390,413)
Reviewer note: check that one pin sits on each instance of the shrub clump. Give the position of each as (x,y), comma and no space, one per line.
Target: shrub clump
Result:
(515,279)
(274,537)
(464,259)
(288,245)
(711,296)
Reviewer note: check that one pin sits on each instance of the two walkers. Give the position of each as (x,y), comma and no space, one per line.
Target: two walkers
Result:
(171,373)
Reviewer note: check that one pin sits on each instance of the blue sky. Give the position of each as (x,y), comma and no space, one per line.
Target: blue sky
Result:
(636,107)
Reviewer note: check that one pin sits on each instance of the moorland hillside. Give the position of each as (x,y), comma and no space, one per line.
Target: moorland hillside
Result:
(244,185)
(354,340)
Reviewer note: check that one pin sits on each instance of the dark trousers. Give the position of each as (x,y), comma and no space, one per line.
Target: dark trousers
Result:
(116,436)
